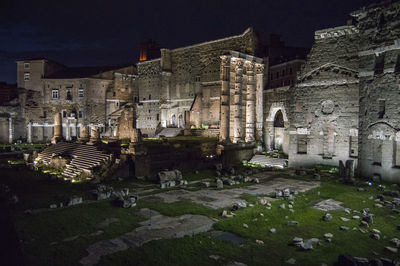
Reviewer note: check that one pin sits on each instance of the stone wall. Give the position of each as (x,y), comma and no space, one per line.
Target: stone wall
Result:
(174,80)
(323,106)
(379,91)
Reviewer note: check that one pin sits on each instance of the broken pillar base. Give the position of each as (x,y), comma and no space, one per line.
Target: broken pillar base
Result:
(56,139)
(82,140)
(94,142)
(137,148)
(233,154)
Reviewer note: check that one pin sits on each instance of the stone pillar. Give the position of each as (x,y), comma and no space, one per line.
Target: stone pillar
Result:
(57,129)
(83,134)
(224,122)
(67,131)
(10,130)
(136,135)
(29,137)
(259,102)
(94,136)
(237,102)
(250,111)
(187,120)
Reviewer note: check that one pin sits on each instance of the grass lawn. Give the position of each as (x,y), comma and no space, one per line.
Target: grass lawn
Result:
(42,234)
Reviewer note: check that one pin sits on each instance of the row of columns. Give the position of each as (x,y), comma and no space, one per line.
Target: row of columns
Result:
(241,98)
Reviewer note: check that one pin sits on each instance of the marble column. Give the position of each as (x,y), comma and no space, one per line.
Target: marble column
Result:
(236,106)
(10,130)
(83,134)
(57,129)
(94,136)
(224,122)
(67,131)
(29,137)
(250,111)
(259,102)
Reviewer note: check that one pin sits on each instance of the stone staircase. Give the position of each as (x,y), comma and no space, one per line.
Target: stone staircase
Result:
(84,157)
(169,132)
(268,161)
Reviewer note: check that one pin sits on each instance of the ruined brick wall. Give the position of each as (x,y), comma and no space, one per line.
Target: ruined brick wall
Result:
(80,101)
(323,106)
(149,95)
(180,74)
(379,91)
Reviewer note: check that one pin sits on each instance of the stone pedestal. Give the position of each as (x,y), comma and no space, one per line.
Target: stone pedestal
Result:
(57,137)
(83,134)
(94,136)
(136,135)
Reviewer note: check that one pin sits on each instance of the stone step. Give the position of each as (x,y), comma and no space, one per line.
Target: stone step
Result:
(269,161)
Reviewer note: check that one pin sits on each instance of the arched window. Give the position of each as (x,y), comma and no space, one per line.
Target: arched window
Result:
(278,120)
(173,120)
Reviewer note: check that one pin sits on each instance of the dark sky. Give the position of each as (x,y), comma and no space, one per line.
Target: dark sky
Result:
(95,32)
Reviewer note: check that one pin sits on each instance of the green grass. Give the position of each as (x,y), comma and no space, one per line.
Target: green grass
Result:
(39,230)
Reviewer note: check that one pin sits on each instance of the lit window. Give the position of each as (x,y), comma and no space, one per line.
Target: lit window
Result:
(27,65)
(80,92)
(54,93)
(27,76)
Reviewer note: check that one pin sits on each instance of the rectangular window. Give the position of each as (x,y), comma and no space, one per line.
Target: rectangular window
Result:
(377,152)
(158,117)
(353,146)
(381,108)
(64,113)
(396,150)
(80,114)
(302,144)
(54,93)
(80,92)
(27,65)
(27,76)
(44,114)
(69,95)
(379,64)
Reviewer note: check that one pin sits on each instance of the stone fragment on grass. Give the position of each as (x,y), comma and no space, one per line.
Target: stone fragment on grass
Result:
(327,217)
(307,245)
(260,242)
(53,206)
(263,200)
(356,217)
(328,235)
(391,249)
(344,228)
(395,241)
(344,219)
(245,226)
(291,261)
(206,184)
(364,223)
(369,218)
(220,184)
(347,211)
(375,231)
(75,200)
(375,236)
(272,230)
(292,223)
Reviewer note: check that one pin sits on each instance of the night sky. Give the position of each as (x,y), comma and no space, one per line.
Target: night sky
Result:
(88,32)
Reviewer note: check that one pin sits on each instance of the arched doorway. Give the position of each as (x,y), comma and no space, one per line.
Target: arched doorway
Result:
(276,124)
(173,120)
(279,131)
(180,121)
